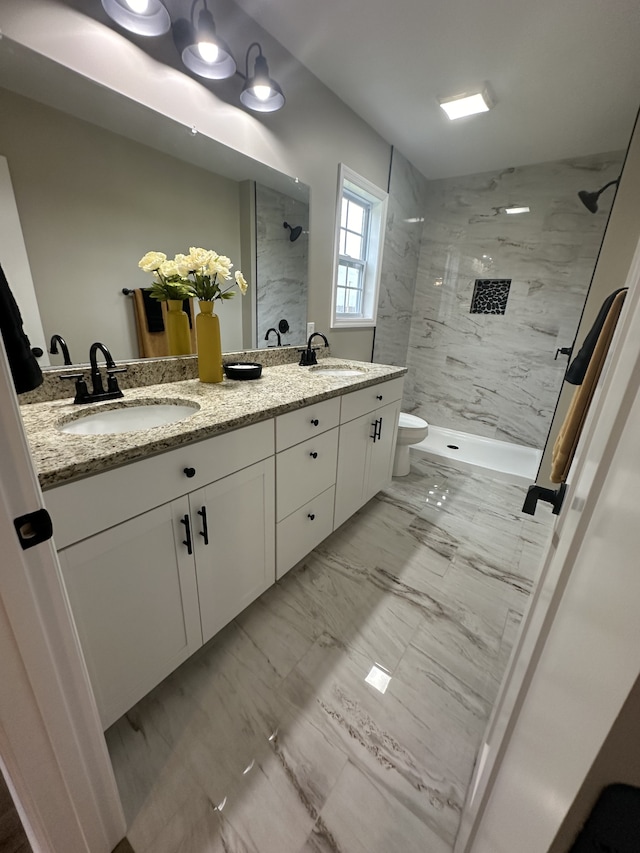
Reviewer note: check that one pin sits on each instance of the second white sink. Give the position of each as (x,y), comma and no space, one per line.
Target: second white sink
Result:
(336,370)
(130,418)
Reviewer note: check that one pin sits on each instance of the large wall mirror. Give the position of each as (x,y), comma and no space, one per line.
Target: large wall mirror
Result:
(99,180)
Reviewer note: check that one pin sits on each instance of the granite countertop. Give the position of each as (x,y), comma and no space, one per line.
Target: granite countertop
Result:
(61,457)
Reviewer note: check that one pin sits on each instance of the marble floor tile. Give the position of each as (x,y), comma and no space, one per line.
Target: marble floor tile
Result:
(274,737)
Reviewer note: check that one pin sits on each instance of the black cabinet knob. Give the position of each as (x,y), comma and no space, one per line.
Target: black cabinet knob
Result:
(313,454)
(37,351)
(190,472)
(315,421)
(310,515)
(378,396)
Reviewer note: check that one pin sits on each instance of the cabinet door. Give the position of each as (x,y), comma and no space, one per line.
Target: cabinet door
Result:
(381,451)
(235,561)
(353,449)
(133,594)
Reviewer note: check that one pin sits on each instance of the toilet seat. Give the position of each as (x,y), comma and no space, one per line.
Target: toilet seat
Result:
(411,421)
(411,430)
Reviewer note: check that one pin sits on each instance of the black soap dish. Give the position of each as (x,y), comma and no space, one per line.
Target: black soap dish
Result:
(243,370)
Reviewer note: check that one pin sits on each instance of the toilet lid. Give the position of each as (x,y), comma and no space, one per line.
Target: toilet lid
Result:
(412,421)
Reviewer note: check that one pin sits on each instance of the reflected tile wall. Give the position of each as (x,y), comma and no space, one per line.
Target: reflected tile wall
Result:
(405,214)
(495,375)
(281,265)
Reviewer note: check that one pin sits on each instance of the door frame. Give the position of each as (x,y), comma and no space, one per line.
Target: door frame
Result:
(52,749)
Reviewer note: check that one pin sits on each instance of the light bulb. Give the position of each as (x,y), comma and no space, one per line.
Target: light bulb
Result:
(208,51)
(138,6)
(262,92)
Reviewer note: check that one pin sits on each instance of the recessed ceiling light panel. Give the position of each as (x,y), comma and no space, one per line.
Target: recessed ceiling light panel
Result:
(463,105)
(514,209)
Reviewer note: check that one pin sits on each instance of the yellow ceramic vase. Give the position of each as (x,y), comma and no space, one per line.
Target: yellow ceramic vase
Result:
(209,346)
(177,325)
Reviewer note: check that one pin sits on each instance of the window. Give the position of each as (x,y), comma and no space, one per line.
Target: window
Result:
(360,223)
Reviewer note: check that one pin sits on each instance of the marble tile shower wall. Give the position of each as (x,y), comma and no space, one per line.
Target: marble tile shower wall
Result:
(495,375)
(408,191)
(282,265)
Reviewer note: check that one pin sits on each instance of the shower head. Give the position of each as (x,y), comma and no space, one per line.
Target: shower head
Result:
(296,231)
(590,199)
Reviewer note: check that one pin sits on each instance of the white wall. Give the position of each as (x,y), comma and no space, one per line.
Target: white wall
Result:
(308,138)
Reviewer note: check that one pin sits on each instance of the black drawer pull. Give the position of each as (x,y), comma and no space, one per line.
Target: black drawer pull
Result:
(310,515)
(315,421)
(187,541)
(313,454)
(189,472)
(380,430)
(378,396)
(205,530)
(375,431)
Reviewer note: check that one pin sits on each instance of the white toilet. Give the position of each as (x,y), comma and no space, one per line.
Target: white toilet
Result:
(411,430)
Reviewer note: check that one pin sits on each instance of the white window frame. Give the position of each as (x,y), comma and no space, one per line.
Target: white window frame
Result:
(376,200)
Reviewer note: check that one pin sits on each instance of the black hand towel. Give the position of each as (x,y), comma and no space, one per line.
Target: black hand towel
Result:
(153,312)
(25,370)
(576,372)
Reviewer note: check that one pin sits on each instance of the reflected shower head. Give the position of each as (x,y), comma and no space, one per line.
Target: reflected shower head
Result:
(296,231)
(590,199)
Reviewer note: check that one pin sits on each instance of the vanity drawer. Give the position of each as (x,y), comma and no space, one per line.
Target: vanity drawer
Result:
(96,503)
(299,534)
(297,426)
(367,399)
(305,470)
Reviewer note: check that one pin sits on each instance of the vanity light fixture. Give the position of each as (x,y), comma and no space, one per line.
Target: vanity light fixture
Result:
(260,92)
(201,48)
(515,209)
(143,17)
(466,104)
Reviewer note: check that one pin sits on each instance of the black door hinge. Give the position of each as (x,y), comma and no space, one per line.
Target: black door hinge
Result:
(33,528)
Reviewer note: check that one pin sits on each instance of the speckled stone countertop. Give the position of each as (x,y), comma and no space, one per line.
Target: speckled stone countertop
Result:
(61,457)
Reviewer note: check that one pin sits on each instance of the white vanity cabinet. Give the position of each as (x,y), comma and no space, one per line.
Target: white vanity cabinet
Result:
(368,430)
(233,532)
(146,586)
(306,476)
(160,554)
(134,599)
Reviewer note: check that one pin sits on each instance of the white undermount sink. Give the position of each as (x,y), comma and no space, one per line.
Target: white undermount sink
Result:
(130,418)
(336,370)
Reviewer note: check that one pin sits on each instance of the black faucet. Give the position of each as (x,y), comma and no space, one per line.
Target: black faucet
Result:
(113,392)
(308,355)
(53,348)
(266,337)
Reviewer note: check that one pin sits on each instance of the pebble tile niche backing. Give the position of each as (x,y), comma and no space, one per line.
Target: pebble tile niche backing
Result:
(490,296)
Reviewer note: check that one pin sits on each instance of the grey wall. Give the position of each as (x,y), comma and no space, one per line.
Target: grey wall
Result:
(281,265)
(495,376)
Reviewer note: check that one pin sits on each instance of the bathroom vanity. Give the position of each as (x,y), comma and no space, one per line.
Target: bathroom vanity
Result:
(165,535)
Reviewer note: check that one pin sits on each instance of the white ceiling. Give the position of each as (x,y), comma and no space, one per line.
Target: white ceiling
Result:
(565,73)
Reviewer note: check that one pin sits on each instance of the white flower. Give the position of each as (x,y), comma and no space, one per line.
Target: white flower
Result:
(199,258)
(152,261)
(168,269)
(220,265)
(183,264)
(241,282)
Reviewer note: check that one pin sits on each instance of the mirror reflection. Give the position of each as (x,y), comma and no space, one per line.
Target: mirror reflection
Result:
(91,200)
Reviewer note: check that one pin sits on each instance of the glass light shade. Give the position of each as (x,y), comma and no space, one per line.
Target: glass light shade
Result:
(204,52)
(466,105)
(260,93)
(144,19)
